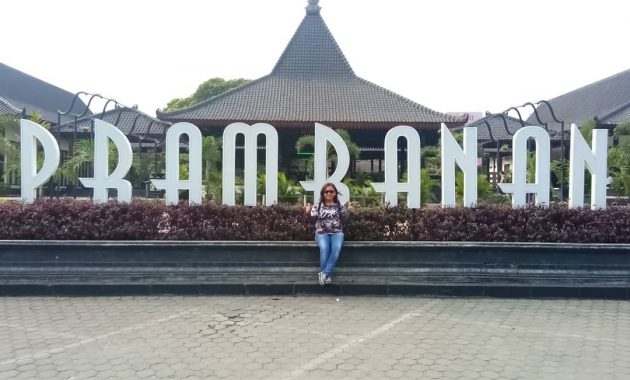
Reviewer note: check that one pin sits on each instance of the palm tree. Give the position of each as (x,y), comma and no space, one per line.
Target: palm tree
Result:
(306,143)
(9,148)
(211,152)
(83,157)
(289,191)
(361,189)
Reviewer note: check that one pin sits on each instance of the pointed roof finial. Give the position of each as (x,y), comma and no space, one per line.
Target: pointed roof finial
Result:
(313,7)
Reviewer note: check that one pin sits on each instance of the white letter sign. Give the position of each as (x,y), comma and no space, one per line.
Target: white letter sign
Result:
(519,186)
(324,135)
(251,162)
(595,160)
(467,161)
(30,133)
(391,187)
(173,184)
(102,180)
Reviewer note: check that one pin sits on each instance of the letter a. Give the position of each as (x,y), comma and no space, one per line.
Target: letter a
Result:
(519,186)
(391,187)
(172,184)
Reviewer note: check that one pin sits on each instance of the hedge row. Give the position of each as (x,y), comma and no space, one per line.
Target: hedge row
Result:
(151,220)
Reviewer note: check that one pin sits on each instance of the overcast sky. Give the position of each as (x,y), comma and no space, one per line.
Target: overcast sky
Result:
(449,55)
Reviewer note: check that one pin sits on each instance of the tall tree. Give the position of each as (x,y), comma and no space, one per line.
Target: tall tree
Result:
(9,146)
(206,90)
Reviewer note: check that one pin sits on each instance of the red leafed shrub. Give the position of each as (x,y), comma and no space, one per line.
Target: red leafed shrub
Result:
(68,219)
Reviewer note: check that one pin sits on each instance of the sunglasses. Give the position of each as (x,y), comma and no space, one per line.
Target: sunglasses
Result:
(329,192)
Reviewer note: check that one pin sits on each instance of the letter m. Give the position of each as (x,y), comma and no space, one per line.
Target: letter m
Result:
(251,162)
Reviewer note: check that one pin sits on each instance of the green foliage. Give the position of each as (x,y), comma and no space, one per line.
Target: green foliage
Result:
(353,148)
(212,177)
(622,129)
(560,171)
(9,149)
(432,158)
(426,185)
(289,191)
(208,89)
(145,166)
(361,190)
(459,137)
(485,190)
(306,143)
(586,129)
(619,168)
(84,157)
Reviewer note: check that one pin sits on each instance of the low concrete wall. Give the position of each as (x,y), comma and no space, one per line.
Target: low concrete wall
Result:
(378,268)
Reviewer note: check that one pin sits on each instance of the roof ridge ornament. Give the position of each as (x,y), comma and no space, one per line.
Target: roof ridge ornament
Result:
(313,7)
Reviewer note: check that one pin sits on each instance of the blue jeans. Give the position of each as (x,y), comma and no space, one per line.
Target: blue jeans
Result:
(329,250)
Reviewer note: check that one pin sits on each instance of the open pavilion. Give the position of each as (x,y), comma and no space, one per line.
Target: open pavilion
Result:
(311,82)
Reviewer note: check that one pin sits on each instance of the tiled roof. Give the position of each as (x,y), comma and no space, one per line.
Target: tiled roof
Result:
(25,91)
(596,100)
(7,108)
(493,128)
(123,118)
(617,116)
(312,82)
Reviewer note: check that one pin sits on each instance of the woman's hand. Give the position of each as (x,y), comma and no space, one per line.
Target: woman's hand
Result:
(350,207)
(307,208)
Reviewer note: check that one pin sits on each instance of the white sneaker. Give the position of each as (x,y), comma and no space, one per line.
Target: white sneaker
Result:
(328,280)
(322,278)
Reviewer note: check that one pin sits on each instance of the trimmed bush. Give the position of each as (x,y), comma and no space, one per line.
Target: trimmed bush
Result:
(68,219)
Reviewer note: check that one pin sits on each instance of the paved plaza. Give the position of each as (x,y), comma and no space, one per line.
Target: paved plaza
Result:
(312,338)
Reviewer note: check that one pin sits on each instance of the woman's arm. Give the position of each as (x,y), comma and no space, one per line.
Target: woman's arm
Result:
(344,212)
(314,211)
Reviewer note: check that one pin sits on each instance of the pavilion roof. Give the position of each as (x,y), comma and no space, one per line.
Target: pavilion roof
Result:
(492,128)
(129,120)
(6,108)
(312,82)
(607,100)
(35,95)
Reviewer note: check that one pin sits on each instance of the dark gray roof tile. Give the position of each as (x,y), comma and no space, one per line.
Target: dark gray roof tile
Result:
(616,116)
(596,100)
(6,108)
(497,128)
(129,120)
(312,82)
(35,95)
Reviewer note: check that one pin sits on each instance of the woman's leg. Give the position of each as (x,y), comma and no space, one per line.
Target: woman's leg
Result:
(323,241)
(336,242)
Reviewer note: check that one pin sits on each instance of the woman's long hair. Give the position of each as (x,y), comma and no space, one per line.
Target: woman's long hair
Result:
(321,192)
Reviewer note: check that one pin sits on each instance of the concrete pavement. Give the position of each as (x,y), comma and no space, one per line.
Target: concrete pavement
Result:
(312,337)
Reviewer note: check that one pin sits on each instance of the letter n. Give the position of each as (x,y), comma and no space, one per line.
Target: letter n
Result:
(466,159)
(595,160)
